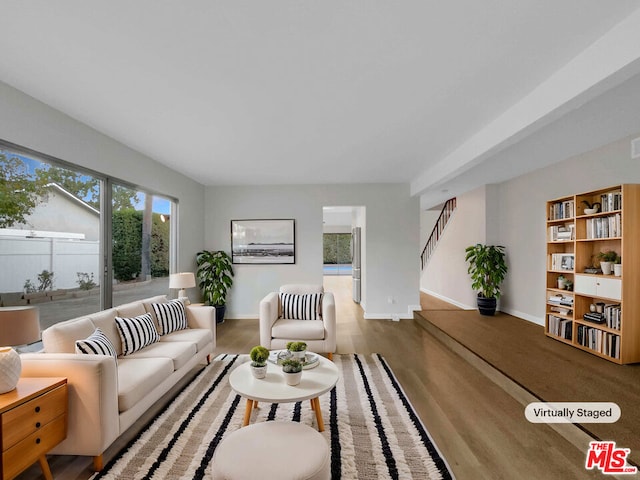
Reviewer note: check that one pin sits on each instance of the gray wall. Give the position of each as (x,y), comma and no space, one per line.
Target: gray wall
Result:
(513,214)
(391,231)
(32,124)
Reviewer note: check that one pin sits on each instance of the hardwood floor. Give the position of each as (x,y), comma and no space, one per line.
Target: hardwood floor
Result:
(479,427)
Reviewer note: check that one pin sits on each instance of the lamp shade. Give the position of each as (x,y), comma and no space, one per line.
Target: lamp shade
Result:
(182,280)
(19,325)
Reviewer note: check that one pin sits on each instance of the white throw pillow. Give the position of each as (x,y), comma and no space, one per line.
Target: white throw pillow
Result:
(171,316)
(96,344)
(136,332)
(301,307)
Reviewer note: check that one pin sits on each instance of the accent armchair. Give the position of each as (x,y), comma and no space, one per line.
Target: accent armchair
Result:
(299,313)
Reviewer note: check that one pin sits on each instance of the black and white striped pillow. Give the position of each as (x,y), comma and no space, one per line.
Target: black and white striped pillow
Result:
(171,316)
(136,332)
(96,344)
(301,307)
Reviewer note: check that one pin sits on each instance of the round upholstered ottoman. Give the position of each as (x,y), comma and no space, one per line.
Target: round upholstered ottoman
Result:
(282,450)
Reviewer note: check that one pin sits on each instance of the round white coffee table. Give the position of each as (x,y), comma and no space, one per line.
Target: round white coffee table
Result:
(274,389)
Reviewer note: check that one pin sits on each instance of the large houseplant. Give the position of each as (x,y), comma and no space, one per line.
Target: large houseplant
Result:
(487,268)
(215,277)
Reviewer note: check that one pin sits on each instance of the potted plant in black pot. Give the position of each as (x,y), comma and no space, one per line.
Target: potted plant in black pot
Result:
(215,277)
(487,268)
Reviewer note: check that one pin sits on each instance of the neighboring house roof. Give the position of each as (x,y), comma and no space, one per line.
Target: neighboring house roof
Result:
(71,196)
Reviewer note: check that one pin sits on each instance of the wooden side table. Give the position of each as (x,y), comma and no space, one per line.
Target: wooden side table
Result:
(33,421)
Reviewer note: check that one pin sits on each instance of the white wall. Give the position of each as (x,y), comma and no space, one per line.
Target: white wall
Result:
(390,241)
(513,214)
(29,123)
(445,276)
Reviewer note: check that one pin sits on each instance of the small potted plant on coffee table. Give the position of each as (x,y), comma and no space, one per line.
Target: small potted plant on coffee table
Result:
(292,370)
(259,356)
(298,349)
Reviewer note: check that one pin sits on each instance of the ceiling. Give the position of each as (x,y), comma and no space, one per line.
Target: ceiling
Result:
(251,92)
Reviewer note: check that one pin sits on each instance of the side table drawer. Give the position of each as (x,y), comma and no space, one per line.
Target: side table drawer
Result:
(32,416)
(24,453)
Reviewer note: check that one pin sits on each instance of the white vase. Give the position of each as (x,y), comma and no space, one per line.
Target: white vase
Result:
(293,378)
(617,269)
(259,372)
(606,267)
(300,355)
(10,368)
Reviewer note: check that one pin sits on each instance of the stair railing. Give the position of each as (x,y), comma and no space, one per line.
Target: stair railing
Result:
(447,210)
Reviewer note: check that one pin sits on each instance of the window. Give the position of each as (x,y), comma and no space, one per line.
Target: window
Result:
(52,233)
(337,253)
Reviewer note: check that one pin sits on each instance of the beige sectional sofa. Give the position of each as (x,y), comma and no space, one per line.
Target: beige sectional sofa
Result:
(107,396)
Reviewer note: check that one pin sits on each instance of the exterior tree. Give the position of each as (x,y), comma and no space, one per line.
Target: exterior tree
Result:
(19,193)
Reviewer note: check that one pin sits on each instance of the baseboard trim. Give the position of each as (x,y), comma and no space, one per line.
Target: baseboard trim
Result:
(524,316)
(447,299)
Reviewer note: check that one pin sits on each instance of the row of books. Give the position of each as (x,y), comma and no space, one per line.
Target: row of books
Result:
(611,201)
(613,316)
(560,210)
(561,232)
(604,227)
(561,262)
(598,340)
(560,327)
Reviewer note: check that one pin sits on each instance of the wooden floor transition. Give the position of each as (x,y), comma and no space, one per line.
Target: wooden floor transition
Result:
(475,419)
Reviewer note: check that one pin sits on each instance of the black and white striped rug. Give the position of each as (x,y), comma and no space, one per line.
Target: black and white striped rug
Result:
(370,425)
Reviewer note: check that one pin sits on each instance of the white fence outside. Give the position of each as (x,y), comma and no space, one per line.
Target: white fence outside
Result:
(23,259)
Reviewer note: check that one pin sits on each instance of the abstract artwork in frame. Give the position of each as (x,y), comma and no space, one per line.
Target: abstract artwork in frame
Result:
(263,241)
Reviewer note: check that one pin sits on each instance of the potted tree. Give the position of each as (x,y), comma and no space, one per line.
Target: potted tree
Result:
(298,350)
(292,370)
(215,277)
(259,356)
(487,268)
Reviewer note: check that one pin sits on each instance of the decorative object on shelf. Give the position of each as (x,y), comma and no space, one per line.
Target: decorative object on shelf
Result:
(591,208)
(487,268)
(606,261)
(215,278)
(18,326)
(259,356)
(617,266)
(292,369)
(562,282)
(263,241)
(182,281)
(568,285)
(298,350)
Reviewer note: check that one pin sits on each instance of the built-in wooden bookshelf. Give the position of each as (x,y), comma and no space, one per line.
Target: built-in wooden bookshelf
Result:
(574,240)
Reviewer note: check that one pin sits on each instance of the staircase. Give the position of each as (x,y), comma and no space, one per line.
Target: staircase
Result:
(446,213)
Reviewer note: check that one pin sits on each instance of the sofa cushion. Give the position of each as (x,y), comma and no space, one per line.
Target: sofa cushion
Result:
(133,309)
(136,333)
(147,302)
(170,316)
(96,344)
(137,377)
(201,337)
(178,352)
(298,330)
(300,307)
(61,337)
(106,321)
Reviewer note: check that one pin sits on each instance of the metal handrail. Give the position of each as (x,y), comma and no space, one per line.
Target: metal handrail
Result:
(441,223)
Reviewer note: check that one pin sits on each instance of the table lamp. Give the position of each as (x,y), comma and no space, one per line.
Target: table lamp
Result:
(182,281)
(18,326)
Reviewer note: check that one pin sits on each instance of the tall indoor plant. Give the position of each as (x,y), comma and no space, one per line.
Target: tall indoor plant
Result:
(215,277)
(487,268)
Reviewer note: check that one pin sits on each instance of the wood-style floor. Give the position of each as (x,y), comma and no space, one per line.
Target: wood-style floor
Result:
(479,427)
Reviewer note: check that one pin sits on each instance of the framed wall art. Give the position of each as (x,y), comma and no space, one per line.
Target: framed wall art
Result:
(263,241)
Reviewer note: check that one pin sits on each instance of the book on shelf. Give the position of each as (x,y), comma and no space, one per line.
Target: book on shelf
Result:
(611,201)
(604,227)
(562,300)
(612,314)
(560,327)
(561,232)
(594,317)
(562,210)
(599,341)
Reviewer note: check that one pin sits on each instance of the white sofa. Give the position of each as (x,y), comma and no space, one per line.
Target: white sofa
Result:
(107,396)
(319,334)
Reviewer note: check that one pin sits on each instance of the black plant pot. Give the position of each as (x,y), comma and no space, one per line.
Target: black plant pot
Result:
(220,309)
(487,306)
